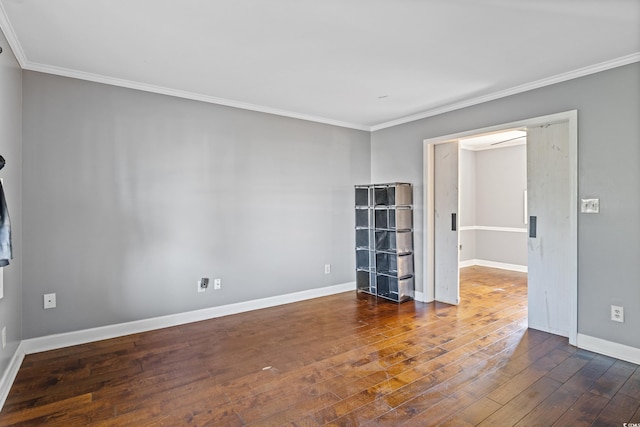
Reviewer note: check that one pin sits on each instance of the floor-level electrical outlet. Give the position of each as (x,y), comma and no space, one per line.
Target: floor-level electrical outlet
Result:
(617,313)
(4,336)
(203,284)
(217,284)
(49,300)
(327,269)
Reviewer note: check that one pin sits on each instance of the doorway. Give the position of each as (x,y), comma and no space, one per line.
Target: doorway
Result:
(493,200)
(553,272)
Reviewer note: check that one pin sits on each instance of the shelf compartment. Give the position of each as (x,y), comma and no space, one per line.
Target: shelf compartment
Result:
(397,218)
(366,281)
(395,265)
(365,259)
(394,241)
(400,195)
(381,218)
(395,289)
(401,218)
(362,280)
(363,218)
(362,196)
(381,195)
(363,238)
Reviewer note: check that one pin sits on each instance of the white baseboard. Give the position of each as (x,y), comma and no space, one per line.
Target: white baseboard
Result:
(467,263)
(609,348)
(10,374)
(494,264)
(420,297)
(548,330)
(52,342)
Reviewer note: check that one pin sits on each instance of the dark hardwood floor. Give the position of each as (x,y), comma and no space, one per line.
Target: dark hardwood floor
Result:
(342,360)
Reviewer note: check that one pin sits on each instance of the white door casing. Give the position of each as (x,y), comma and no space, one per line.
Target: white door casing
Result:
(569,302)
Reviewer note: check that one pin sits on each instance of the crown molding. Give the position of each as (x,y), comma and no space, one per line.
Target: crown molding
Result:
(25,64)
(558,78)
(11,37)
(98,78)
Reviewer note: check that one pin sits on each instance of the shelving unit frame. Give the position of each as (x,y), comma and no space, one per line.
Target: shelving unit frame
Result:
(384,240)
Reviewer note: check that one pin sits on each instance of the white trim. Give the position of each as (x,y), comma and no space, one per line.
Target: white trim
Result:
(429,286)
(10,373)
(52,342)
(467,263)
(98,78)
(558,78)
(25,64)
(493,264)
(488,228)
(65,72)
(572,118)
(12,38)
(420,296)
(573,226)
(609,348)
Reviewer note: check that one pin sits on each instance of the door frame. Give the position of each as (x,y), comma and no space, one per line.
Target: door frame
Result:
(428,293)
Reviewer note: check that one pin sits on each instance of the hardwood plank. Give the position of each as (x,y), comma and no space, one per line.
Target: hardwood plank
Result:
(550,409)
(517,384)
(473,414)
(522,404)
(631,387)
(439,412)
(635,418)
(589,373)
(345,359)
(583,412)
(613,379)
(48,410)
(620,407)
(569,367)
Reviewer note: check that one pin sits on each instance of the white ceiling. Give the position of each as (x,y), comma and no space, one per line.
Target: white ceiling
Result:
(365,64)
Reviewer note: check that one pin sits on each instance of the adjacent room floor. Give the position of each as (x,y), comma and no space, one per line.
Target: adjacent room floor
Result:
(344,360)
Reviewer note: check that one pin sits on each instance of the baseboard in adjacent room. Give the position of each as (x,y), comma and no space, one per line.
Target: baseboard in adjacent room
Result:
(493,264)
(609,348)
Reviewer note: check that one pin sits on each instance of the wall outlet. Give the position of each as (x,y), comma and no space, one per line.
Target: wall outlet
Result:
(4,336)
(327,269)
(617,313)
(203,284)
(217,284)
(590,205)
(49,301)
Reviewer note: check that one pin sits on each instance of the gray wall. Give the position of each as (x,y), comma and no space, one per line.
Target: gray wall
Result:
(608,105)
(11,150)
(492,184)
(131,197)
(501,176)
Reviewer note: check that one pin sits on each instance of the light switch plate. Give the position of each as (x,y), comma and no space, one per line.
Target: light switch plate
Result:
(590,205)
